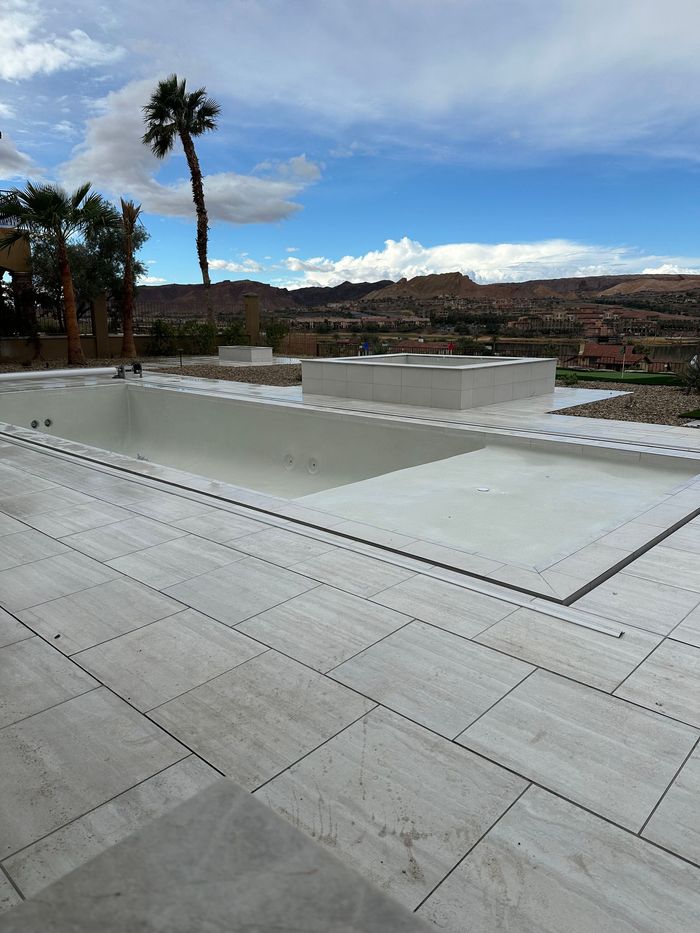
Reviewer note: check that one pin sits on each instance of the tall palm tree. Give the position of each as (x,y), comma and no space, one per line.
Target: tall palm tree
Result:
(130,218)
(47,210)
(174,113)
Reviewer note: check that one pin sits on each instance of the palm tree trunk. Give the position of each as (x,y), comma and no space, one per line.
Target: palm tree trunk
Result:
(75,349)
(128,345)
(202,220)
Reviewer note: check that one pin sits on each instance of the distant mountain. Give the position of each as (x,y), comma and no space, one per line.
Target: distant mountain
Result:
(429,286)
(313,296)
(226,296)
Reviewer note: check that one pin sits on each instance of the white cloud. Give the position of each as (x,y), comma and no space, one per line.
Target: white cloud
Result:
(13,163)
(27,48)
(114,159)
(292,249)
(483,262)
(151,280)
(6,111)
(248,265)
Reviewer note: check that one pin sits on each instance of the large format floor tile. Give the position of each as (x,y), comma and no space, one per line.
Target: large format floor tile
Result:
(452,607)
(10,526)
(69,521)
(71,846)
(668,681)
(157,662)
(577,652)
(49,500)
(119,538)
(8,896)
(436,678)
(87,618)
(549,867)
(282,547)
(11,630)
(689,629)
(220,526)
(27,546)
(50,578)
(647,604)
(175,561)
(323,626)
(166,507)
(241,590)
(676,821)
(34,676)
(356,573)
(606,754)
(668,565)
(259,718)
(67,760)
(398,803)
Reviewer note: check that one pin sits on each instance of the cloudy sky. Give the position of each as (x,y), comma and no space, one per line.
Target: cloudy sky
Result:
(366,139)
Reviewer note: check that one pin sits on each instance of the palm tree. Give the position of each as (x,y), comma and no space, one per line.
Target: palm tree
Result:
(47,210)
(172,112)
(130,218)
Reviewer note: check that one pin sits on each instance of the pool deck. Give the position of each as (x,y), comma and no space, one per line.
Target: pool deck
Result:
(491,759)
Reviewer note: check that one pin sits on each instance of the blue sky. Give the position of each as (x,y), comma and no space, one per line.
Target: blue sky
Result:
(367,139)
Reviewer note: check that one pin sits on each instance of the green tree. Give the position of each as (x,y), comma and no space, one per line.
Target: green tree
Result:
(49,211)
(130,220)
(275,332)
(173,113)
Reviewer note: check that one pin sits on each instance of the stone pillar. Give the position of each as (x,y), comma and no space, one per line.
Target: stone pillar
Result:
(252,318)
(100,326)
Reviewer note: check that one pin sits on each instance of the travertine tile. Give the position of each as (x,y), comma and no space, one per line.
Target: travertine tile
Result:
(453,557)
(35,677)
(689,629)
(356,573)
(281,547)
(48,500)
(670,566)
(10,526)
(175,561)
(259,718)
(436,678)
(668,682)
(166,507)
(30,584)
(324,626)
(71,846)
(8,896)
(560,646)
(67,760)
(160,661)
(221,526)
(608,755)
(548,866)
(590,561)
(644,603)
(451,607)
(72,520)
(396,802)
(119,538)
(676,821)
(87,618)
(241,590)
(27,546)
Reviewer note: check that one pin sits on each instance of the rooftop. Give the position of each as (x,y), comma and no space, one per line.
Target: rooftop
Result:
(492,751)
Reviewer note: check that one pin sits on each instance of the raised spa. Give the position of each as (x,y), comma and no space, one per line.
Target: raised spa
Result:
(430,381)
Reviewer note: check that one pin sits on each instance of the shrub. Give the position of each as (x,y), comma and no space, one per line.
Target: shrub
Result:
(198,337)
(161,340)
(234,335)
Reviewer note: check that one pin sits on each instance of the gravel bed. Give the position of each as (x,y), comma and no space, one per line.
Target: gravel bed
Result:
(646,404)
(282,374)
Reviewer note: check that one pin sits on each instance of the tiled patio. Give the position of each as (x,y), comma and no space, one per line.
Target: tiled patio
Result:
(493,761)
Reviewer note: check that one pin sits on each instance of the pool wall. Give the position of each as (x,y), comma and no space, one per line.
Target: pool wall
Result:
(430,381)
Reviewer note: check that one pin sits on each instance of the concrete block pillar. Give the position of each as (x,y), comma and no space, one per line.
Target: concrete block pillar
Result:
(100,326)
(252,318)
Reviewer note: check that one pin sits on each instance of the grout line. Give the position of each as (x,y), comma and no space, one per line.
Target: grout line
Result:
(368,647)
(47,709)
(472,847)
(13,884)
(668,787)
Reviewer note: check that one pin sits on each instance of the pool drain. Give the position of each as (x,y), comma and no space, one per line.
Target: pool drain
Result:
(312,466)
(482,489)
(288,462)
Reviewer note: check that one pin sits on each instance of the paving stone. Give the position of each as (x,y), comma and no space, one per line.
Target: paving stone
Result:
(27,546)
(688,630)
(282,547)
(668,682)
(175,561)
(8,896)
(160,661)
(259,718)
(670,566)
(72,520)
(35,677)
(240,590)
(451,607)
(48,500)
(676,822)
(120,538)
(548,866)
(221,526)
(323,626)
(11,630)
(219,861)
(91,616)
(577,652)
(398,803)
(71,846)
(28,585)
(67,760)
(608,755)
(646,604)
(433,677)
